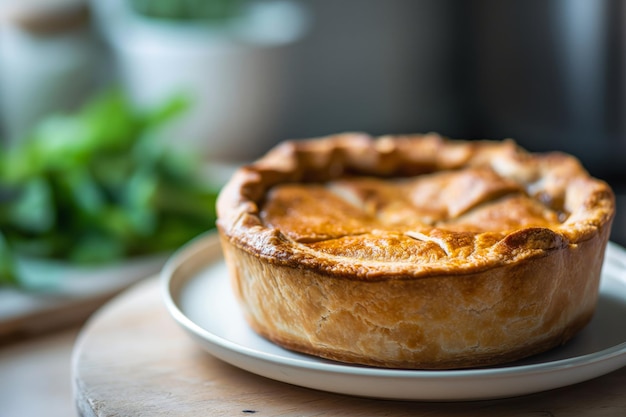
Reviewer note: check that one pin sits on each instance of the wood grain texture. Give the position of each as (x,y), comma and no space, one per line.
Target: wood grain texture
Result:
(131,359)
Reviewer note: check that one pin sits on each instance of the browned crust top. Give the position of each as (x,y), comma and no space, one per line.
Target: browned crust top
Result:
(580,206)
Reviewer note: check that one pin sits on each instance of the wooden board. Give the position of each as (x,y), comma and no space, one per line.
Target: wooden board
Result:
(55,294)
(24,315)
(132,359)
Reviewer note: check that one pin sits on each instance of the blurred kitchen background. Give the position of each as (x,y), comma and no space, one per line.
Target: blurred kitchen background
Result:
(548,73)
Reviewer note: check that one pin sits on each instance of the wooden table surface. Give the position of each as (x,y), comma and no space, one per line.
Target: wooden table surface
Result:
(132,359)
(35,376)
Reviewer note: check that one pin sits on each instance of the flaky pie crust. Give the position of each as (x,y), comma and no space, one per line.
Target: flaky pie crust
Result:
(415,251)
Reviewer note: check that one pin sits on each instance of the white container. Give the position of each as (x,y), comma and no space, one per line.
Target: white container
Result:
(232,73)
(49,61)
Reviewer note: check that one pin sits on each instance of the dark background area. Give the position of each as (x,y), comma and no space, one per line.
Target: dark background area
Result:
(549,74)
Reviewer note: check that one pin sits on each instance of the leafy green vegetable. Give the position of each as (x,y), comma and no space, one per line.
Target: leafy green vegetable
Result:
(100,185)
(194,10)
(7,263)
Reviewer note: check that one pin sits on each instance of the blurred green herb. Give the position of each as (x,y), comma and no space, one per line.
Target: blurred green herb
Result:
(190,10)
(100,185)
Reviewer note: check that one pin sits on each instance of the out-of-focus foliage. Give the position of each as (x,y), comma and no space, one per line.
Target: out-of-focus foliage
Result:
(196,10)
(100,185)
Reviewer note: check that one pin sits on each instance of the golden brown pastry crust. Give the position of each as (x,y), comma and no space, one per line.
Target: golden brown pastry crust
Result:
(415,251)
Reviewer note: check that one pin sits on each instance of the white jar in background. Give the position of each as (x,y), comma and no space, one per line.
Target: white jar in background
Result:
(233,73)
(49,61)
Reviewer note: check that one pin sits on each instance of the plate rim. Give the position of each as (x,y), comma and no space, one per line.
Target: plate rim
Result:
(209,243)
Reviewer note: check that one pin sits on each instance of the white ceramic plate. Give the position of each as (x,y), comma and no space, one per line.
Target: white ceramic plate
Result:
(198,295)
(63,279)
(54,293)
